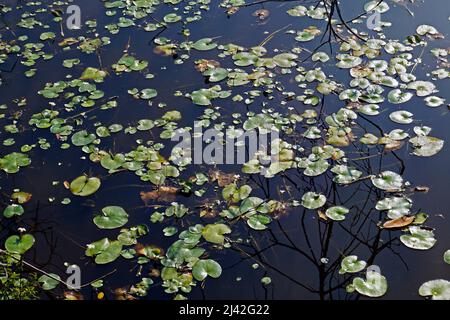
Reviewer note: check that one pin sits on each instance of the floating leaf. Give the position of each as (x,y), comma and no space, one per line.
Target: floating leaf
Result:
(375,285)
(419,238)
(13,210)
(12,162)
(49,282)
(438,289)
(21,197)
(214,232)
(112,217)
(93,74)
(398,223)
(396,206)
(351,264)
(312,200)
(204,268)
(204,44)
(84,186)
(447,256)
(82,138)
(336,213)
(104,250)
(402,117)
(285,60)
(258,222)
(19,244)
(396,96)
(426,146)
(388,181)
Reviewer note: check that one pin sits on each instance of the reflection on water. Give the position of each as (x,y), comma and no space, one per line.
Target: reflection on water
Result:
(301,252)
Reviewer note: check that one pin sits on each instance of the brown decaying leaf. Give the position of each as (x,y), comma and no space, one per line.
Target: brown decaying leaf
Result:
(204,64)
(223,179)
(424,189)
(73,295)
(398,223)
(232,10)
(261,14)
(21,197)
(163,193)
(122,294)
(322,215)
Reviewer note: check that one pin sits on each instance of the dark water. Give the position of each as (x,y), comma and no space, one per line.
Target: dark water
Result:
(290,252)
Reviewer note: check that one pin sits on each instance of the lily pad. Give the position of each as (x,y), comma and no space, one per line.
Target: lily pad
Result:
(13,210)
(19,244)
(84,186)
(204,44)
(374,286)
(426,146)
(49,283)
(11,163)
(214,232)
(447,256)
(336,213)
(388,181)
(312,200)
(104,250)
(402,117)
(438,289)
(419,238)
(112,217)
(82,138)
(205,268)
(351,264)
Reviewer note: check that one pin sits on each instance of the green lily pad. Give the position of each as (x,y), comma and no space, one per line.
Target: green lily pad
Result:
(258,222)
(19,244)
(13,210)
(104,250)
(426,146)
(345,174)
(375,285)
(84,186)
(214,232)
(93,74)
(447,256)
(402,117)
(216,74)
(49,283)
(112,217)
(285,60)
(396,206)
(419,238)
(351,264)
(171,18)
(82,138)
(336,213)
(396,96)
(204,44)
(12,162)
(112,162)
(312,200)
(205,268)
(438,289)
(388,181)
(148,94)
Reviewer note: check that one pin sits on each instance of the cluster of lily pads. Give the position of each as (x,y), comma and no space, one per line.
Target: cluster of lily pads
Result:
(313,142)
